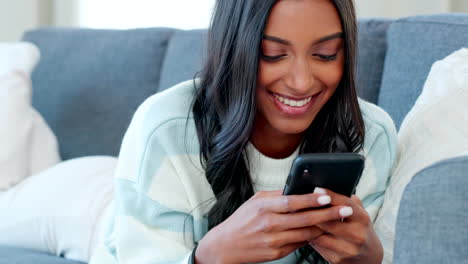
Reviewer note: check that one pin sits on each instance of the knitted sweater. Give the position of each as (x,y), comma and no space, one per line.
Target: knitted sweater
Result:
(162,195)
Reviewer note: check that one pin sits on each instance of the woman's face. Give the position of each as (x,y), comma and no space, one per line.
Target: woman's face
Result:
(301,65)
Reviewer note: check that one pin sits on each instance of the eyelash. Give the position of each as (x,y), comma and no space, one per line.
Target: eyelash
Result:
(321,57)
(326,57)
(272,58)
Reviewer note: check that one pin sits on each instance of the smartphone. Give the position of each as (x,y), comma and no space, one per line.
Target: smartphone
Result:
(338,172)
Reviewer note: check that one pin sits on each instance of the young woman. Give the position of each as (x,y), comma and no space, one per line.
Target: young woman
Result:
(203,164)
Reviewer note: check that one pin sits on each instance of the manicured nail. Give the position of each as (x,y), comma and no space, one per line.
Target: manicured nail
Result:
(320,190)
(346,211)
(324,200)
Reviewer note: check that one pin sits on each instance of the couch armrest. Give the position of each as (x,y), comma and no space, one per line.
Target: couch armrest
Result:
(432,225)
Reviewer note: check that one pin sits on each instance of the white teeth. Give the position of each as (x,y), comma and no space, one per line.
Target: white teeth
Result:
(293,102)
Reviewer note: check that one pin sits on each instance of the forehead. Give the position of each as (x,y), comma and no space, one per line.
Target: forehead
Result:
(305,20)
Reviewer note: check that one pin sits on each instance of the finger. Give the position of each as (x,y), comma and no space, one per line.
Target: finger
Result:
(263,194)
(337,199)
(268,254)
(357,200)
(342,248)
(309,218)
(327,254)
(336,228)
(353,232)
(286,250)
(292,236)
(359,211)
(294,203)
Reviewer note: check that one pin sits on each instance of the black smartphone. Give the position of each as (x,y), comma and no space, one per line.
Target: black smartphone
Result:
(338,172)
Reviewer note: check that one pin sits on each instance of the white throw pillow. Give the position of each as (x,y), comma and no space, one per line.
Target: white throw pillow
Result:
(28,146)
(435,129)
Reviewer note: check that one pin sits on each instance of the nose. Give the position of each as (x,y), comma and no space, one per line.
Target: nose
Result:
(300,77)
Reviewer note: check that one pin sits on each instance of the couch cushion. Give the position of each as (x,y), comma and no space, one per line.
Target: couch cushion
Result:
(432,226)
(23,256)
(89,83)
(414,44)
(372,47)
(184,58)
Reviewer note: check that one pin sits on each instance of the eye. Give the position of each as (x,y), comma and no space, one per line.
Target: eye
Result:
(326,57)
(273,58)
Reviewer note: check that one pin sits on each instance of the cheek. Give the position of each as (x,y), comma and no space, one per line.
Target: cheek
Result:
(268,73)
(332,74)
(330,77)
(336,75)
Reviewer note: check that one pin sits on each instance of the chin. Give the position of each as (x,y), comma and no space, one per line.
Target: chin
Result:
(292,128)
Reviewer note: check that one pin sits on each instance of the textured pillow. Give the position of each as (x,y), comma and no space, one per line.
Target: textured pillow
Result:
(28,146)
(435,129)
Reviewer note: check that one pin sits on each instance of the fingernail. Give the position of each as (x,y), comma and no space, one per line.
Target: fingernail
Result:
(323,200)
(346,211)
(320,190)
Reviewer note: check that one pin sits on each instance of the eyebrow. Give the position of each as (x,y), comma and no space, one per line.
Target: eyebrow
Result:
(324,39)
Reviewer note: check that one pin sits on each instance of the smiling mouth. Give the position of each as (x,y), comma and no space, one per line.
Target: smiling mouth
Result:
(292,102)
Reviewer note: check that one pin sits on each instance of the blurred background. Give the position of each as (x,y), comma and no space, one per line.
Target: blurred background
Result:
(18,16)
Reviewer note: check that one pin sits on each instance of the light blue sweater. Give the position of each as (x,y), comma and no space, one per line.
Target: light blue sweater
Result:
(161,192)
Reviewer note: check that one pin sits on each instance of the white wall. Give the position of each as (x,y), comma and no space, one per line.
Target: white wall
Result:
(460,6)
(126,14)
(17,16)
(401,8)
(65,12)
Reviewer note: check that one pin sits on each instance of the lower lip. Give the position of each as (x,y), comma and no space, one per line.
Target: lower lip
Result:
(294,110)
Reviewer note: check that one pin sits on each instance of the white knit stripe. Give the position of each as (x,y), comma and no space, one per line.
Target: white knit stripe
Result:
(138,243)
(166,185)
(196,187)
(368,182)
(373,210)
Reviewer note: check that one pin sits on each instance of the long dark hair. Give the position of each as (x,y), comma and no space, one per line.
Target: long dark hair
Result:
(225,105)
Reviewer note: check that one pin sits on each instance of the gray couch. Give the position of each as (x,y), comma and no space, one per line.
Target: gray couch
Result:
(89,83)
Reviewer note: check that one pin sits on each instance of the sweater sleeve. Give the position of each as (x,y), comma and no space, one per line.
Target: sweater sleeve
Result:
(151,222)
(381,160)
(380,149)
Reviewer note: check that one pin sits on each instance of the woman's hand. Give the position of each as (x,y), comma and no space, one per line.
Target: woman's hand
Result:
(267,227)
(351,240)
